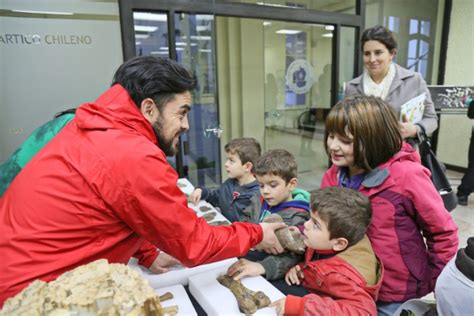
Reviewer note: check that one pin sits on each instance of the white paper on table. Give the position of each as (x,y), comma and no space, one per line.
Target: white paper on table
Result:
(185,186)
(212,209)
(180,298)
(177,274)
(413,109)
(217,299)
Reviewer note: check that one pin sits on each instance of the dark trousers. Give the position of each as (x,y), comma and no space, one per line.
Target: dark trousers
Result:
(467,183)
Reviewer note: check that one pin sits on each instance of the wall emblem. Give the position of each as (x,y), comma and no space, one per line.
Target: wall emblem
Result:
(300,76)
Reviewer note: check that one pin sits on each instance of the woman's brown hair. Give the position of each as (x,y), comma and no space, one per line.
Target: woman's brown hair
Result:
(373,125)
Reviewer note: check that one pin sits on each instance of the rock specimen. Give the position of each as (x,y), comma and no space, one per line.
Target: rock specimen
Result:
(209,216)
(219,223)
(249,301)
(205,208)
(98,288)
(292,240)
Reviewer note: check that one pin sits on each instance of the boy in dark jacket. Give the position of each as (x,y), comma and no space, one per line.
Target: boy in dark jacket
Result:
(341,271)
(234,195)
(276,173)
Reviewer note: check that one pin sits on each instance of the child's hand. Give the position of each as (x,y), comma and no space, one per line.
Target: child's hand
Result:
(245,267)
(195,197)
(279,306)
(294,275)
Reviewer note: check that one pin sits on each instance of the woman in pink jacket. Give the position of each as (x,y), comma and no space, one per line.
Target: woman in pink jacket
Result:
(411,231)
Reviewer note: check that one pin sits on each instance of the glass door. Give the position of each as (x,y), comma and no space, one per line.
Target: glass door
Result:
(298,93)
(199,157)
(275,85)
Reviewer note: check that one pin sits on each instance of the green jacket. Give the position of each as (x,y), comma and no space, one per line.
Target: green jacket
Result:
(37,140)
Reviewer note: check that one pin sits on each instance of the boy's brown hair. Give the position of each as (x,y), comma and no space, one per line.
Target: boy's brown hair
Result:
(247,148)
(346,212)
(373,125)
(277,162)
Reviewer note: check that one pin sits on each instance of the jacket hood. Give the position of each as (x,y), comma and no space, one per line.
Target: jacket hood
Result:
(114,109)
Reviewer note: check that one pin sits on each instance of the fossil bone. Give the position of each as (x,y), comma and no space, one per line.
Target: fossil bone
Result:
(205,208)
(291,240)
(219,223)
(209,216)
(248,301)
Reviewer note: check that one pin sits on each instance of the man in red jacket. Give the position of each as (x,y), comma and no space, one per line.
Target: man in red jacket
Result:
(102,187)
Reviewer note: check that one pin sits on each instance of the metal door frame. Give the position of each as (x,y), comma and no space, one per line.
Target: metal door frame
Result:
(242,10)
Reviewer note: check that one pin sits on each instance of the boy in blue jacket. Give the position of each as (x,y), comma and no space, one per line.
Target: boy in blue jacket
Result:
(234,195)
(276,173)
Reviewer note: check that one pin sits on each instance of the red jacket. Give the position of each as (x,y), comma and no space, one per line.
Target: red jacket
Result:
(411,231)
(338,284)
(98,190)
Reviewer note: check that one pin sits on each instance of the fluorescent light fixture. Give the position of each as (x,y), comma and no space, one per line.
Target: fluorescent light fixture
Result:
(160,53)
(201,38)
(201,28)
(284,31)
(164,48)
(329,27)
(267,23)
(184,44)
(145,28)
(149,16)
(202,17)
(43,12)
(327,35)
(277,5)
(205,50)
(142,36)
(138,43)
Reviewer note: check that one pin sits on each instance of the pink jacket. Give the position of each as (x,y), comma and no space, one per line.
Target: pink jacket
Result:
(406,209)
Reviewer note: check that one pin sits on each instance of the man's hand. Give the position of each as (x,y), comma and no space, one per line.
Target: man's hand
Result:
(162,263)
(245,267)
(195,197)
(279,306)
(270,243)
(407,129)
(294,275)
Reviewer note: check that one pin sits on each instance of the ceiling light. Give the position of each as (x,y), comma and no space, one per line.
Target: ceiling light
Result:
(161,53)
(149,16)
(202,17)
(329,27)
(142,36)
(327,35)
(201,38)
(201,28)
(267,23)
(205,50)
(145,28)
(284,31)
(43,12)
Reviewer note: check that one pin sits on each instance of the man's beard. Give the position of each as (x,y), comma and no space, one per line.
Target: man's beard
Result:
(165,144)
